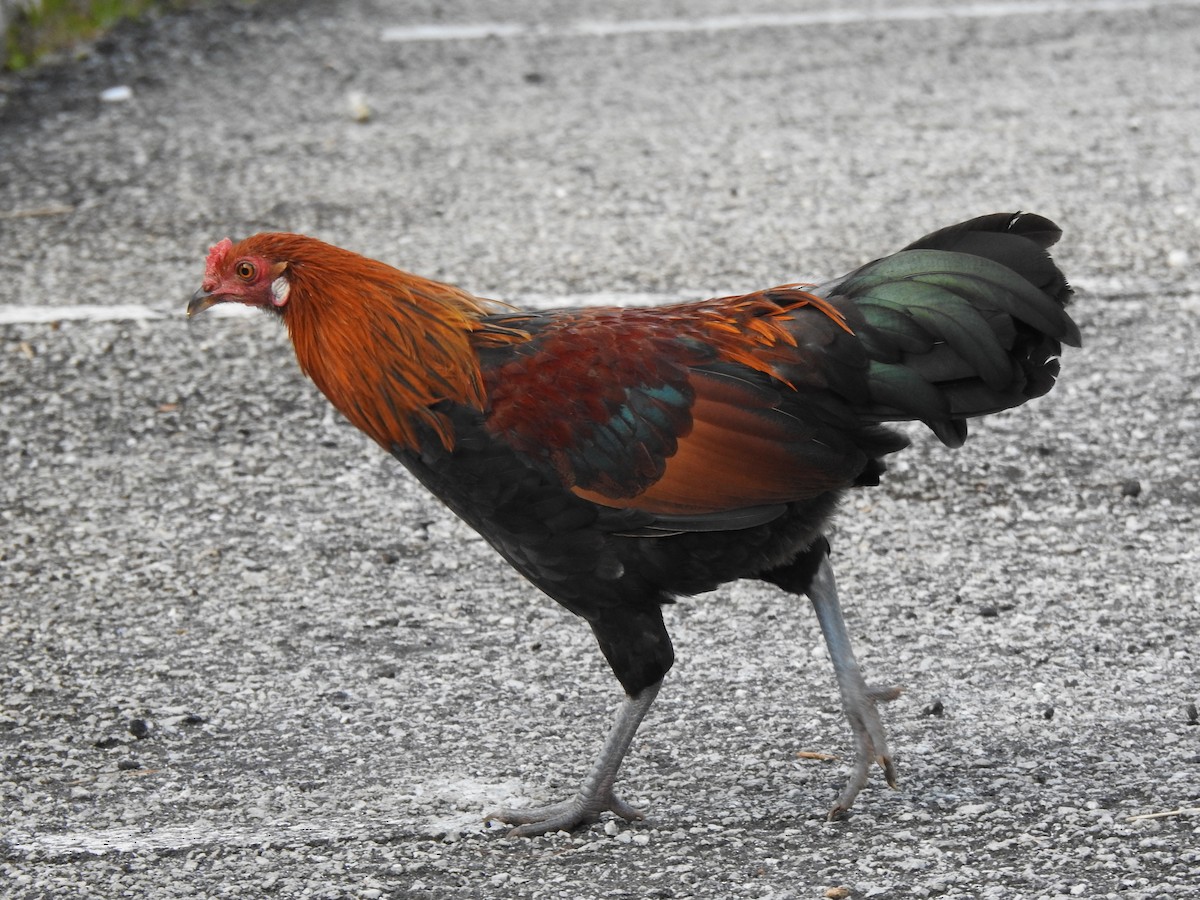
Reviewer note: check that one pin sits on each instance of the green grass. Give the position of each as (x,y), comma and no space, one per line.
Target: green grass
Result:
(54,26)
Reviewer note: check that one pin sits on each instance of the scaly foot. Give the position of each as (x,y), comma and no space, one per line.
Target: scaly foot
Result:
(578,812)
(870,744)
(596,794)
(858,699)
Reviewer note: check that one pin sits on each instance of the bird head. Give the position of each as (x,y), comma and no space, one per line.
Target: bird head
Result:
(241,273)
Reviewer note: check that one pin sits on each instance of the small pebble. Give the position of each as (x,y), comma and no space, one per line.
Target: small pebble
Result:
(117,94)
(1131,488)
(360,109)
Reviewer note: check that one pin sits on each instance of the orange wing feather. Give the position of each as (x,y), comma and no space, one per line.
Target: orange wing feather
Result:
(690,409)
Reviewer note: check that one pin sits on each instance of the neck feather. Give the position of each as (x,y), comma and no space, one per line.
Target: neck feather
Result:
(386,347)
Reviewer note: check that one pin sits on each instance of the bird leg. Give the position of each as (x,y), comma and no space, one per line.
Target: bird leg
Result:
(858,699)
(596,794)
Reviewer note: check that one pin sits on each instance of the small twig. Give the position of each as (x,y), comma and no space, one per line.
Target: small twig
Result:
(36,212)
(1182,811)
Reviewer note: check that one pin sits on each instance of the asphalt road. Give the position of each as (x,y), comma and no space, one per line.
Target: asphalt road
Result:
(243,655)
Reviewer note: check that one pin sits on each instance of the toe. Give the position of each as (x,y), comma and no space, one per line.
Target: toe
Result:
(567,816)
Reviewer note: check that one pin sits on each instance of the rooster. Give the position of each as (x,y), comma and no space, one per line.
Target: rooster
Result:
(620,458)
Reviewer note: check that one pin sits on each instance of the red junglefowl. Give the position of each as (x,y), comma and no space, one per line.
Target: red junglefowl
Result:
(619,458)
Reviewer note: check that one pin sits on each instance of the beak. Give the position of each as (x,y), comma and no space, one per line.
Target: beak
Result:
(202,300)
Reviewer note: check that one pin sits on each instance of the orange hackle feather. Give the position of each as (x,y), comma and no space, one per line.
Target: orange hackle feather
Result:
(384,345)
(753,329)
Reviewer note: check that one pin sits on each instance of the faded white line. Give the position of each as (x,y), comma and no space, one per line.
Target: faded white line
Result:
(473,31)
(37,315)
(132,312)
(121,312)
(448,792)
(132,839)
(1108,287)
(180,837)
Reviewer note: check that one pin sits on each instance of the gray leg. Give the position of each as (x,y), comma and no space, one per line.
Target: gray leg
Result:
(859,700)
(596,794)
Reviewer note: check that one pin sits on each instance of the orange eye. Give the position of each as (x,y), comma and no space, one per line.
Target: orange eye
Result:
(245,271)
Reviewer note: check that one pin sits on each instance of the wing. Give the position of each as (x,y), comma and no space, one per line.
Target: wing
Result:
(697,412)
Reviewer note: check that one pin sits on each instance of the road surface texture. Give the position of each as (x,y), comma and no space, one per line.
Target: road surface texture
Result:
(244,655)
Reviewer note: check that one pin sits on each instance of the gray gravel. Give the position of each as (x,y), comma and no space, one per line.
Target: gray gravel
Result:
(244,655)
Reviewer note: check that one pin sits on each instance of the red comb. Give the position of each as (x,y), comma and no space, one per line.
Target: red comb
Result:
(216,256)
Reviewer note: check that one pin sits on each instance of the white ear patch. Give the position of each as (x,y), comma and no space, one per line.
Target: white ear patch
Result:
(280,288)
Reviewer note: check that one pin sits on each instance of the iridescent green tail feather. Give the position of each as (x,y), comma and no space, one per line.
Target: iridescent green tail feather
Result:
(966,321)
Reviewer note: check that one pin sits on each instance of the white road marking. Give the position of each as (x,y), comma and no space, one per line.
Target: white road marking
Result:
(120,312)
(177,837)
(130,839)
(474,31)
(36,315)
(132,312)
(447,792)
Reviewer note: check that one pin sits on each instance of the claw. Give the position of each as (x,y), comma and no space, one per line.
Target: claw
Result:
(884,694)
(889,772)
(870,744)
